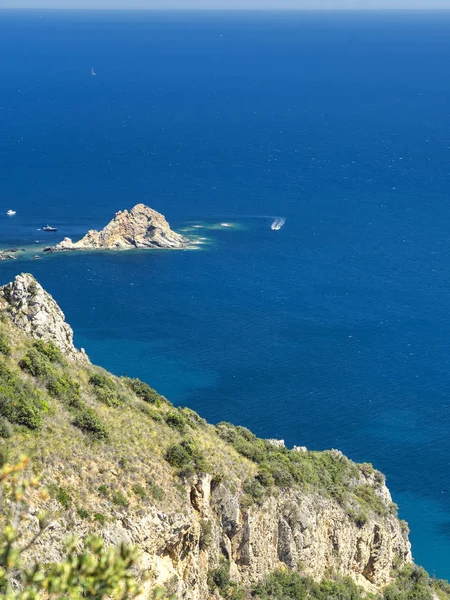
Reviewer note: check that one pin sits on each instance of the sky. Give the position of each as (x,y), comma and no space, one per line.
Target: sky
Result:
(230,4)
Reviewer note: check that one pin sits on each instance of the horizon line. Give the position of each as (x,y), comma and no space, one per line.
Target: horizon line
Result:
(223,9)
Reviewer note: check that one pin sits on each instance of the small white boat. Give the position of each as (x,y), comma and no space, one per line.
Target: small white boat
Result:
(93,72)
(11,212)
(278,223)
(49,228)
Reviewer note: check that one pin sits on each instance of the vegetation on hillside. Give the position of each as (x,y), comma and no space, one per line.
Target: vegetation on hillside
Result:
(413,583)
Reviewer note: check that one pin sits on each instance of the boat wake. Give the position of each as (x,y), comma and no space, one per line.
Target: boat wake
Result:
(278,223)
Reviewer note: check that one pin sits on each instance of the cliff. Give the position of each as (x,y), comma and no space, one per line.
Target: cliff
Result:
(141,227)
(121,462)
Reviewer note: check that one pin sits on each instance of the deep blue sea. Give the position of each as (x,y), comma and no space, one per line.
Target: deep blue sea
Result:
(333,332)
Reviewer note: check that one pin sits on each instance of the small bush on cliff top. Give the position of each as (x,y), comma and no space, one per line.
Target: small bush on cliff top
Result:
(328,472)
(176,421)
(143,391)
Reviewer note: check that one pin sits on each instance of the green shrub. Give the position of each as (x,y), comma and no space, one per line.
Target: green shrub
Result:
(176,421)
(366,494)
(265,476)
(205,539)
(60,494)
(186,458)
(105,390)
(150,412)
(140,491)
(103,490)
(63,387)
(87,420)
(254,489)
(50,351)
(290,585)
(83,513)
(156,491)
(100,518)
(20,402)
(219,579)
(5,347)
(191,417)
(143,391)
(37,364)
(6,429)
(119,499)
(413,583)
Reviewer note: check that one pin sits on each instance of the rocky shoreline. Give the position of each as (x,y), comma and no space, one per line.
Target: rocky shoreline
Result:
(141,227)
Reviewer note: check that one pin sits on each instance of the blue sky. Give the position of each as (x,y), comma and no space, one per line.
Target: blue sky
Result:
(270,4)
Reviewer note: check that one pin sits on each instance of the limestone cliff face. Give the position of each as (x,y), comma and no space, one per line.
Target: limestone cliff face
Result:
(35,312)
(141,227)
(302,532)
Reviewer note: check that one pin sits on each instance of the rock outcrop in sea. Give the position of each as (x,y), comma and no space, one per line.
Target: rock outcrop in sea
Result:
(141,227)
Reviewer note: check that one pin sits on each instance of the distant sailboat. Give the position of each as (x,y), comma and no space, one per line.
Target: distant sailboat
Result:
(93,72)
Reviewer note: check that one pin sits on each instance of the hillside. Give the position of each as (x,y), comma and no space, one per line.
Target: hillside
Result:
(213,509)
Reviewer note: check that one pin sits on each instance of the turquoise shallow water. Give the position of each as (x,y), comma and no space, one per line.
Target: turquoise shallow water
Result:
(333,331)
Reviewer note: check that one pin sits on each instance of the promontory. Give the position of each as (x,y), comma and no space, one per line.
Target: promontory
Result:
(141,227)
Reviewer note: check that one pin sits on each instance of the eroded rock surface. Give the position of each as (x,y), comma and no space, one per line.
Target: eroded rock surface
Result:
(36,313)
(141,227)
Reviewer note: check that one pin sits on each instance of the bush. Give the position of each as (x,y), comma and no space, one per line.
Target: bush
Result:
(36,364)
(119,499)
(254,489)
(105,390)
(366,494)
(191,417)
(62,386)
(6,429)
(176,421)
(100,518)
(150,412)
(103,491)
(156,491)
(87,420)
(186,458)
(60,494)
(290,585)
(5,348)
(140,491)
(50,351)
(20,402)
(413,583)
(205,534)
(83,513)
(143,391)
(219,579)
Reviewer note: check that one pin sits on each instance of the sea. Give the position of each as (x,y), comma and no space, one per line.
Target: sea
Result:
(330,332)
